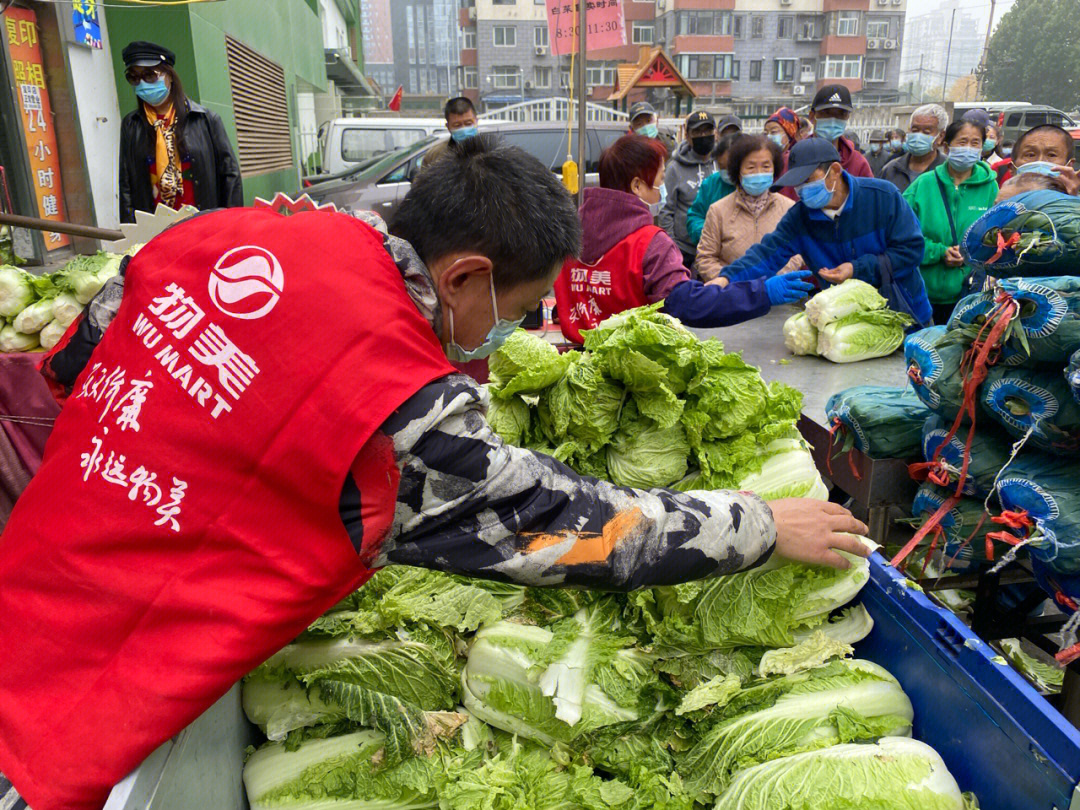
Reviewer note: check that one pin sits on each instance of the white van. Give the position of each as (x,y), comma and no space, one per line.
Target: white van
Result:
(348,142)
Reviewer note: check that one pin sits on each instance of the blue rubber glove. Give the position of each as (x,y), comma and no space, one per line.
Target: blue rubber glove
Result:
(788,288)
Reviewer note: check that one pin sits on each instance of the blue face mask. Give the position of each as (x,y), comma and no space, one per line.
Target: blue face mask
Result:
(726,177)
(757,184)
(778,139)
(464,133)
(830,128)
(656,207)
(875,148)
(153,93)
(1039,167)
(816,195)
(896,144)
(648,131)
(496,336)
(988,146)
(1006,151)
(919,143)
(964,157)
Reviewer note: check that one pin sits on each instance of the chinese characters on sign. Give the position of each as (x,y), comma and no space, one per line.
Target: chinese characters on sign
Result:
(84,15)
(591,282)
(605,26)
(32,96)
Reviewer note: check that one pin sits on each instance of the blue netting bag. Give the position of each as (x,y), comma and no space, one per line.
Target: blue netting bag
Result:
(989,453)
(1072,375)
(1047,330)
(933,360)
(959,554)
(1045,492)
(1036,233)
(1020,399)
(881,421)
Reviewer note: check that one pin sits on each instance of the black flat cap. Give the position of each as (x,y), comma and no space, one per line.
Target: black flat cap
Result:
(147,54)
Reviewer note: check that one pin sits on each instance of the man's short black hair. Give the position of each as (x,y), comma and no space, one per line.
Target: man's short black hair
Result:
(496,200)
(1066,138)
(458,106)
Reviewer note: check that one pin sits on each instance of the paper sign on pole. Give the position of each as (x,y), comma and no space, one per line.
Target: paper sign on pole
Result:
(605,25)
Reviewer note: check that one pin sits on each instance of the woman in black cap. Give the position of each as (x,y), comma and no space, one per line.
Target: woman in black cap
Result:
(172,150)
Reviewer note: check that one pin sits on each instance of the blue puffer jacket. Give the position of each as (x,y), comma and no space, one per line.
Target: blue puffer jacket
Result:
(876,231)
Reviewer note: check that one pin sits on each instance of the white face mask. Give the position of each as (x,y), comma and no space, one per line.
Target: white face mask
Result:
(656,207)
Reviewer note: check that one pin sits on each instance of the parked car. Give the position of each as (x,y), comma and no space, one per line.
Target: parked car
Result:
(381,186)
(1018,117)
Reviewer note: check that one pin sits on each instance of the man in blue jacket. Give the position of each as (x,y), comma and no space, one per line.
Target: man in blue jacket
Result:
(843,227)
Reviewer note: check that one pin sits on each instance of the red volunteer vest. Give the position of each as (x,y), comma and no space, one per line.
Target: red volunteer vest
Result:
(184,523)
(586,294)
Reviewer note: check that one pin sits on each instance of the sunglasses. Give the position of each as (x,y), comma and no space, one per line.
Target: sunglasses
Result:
(142,74)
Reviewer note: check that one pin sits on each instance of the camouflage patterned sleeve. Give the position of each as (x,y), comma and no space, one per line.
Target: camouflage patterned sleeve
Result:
(471,504)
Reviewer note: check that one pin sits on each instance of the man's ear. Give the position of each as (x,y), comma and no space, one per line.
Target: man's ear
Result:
(460,274)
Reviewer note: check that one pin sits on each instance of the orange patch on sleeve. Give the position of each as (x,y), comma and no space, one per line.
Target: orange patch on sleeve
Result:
(597,548)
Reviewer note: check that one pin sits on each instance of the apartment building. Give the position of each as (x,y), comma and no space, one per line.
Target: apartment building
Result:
(752,55)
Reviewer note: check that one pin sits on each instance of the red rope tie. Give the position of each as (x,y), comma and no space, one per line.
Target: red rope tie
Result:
(1013,520)
(915,374)
(939,533)
(924,530)
(1065,601)
(1004,244)
(1067,656)
(836,427)
(967,542)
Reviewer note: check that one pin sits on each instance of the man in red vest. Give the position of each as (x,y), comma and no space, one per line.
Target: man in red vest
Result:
(268,417)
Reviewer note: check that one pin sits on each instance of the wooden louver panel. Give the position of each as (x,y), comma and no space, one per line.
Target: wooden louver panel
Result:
(261,110)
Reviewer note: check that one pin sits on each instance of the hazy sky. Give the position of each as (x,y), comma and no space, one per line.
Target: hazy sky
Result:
(917,7)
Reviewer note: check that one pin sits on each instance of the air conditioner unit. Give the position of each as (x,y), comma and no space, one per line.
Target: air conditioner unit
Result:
(798,90)
(785,2)
(541,50)
(890,44)
(871,44)
(528,85)
(897,2)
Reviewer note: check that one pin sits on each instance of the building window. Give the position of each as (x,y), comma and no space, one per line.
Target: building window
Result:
(755,70)
(784,70)
(507,77)
(785,27)
(735,69)
(704,23)
(504,36)
(841,67)
(875,70)
(877,29)
(737,26)
(469,41)
(600,75)
(705,66)
(504,2)
(757,28)
(470,78)
(808,31)
(540,36)
(847,24)
(643,33)
(541,77)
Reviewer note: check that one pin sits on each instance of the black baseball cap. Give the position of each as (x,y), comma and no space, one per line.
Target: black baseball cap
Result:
(804,158)
(832,96)
(729,121)
(641,108)
(698,118)
(147,54)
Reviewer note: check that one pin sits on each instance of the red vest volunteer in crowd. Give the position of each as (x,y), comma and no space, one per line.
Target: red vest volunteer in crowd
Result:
(213,485)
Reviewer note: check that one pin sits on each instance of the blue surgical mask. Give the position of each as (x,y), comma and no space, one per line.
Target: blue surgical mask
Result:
(830,128)
(1039,167)
(648,131)
(153,93)
(778,139)
(496,336)
(656,207)
(1006,151)
(816,195)
(964,157)
(988,146)
(919,143)
(726,177)
(896,144)
(464,133)
(875,148)
(757,184)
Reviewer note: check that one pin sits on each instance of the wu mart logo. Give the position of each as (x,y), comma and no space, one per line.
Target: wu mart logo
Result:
(246,282)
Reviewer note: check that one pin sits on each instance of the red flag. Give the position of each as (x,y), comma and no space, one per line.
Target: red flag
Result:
(395,102)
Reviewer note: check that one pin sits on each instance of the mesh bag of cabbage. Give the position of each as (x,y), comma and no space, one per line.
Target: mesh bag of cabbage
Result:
(933,360)
(989,453)
(963,529)
(1036,233)
(1047,329)
(881,421)
(1072,374)
(1040,501)
(1040,402)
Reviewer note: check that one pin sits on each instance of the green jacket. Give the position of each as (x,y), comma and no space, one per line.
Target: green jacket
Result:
(944,285)
(712,189)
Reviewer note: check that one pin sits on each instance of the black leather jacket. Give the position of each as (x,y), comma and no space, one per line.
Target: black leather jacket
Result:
(216,172)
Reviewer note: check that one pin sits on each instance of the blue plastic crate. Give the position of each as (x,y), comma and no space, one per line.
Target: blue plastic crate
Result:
(998,736)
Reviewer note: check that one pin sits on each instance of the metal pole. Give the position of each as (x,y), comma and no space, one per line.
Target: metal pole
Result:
(583,95)
(986,48)
(948,56)
(921,57)
(69,228)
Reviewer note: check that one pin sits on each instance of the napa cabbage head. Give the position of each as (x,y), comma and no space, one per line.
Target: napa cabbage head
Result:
(511,418)
(895,772)
(12,340)
(16,291)
(863,336)
(583,406)
(645,455)
(800,336)
(843,300)
(84,276)
(525,364)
